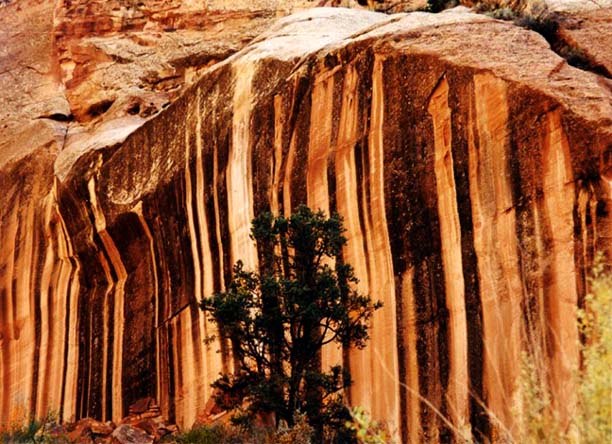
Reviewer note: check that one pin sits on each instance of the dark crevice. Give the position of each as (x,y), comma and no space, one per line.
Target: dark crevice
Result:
(134,109)
(549,27)
(58,117)
(577,58)
(99,108)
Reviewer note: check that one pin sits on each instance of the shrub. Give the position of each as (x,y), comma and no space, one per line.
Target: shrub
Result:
(214,434)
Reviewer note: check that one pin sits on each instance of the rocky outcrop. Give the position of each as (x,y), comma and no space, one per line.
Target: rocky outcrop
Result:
(572,27)
(472,166)
(143,425)
(135,57)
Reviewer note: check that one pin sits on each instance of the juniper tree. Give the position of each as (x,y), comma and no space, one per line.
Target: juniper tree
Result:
(279,317)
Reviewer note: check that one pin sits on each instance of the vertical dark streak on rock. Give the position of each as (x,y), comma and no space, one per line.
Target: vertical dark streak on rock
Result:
(286,94)
(82,380)
(151,213)
(300,99)
(402,357)
(16,254)
(262,145)
(50,335)
(92,305)
(461,87)
(78,225)
(91,353)
(526,129)
(210,145)
(194,243)
(580,260)
(109,356)
(196,335)
(441,316)
(86,353)
(5,358)
(302,110)
(331,181)
(433,313)
(186,286)
(338,94)
(397,215)
(410,179)
(588,160)
(186,267)
(190,243)
(360,152)
(36,288)
(91,308)
(138,360)
(209,190)
(65,363)
(221,151)
(222,162)
(364,67)
(172,360)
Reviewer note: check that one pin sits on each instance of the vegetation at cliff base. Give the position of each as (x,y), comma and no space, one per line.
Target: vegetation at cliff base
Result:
(302,298)
(591,420)
(23,434)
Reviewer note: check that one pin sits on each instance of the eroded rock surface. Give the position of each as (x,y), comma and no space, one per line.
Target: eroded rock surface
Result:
(472,166)
(135,57)
(572,27)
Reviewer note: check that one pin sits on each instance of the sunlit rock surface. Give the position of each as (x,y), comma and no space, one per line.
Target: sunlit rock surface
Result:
(472,166)
(575,29)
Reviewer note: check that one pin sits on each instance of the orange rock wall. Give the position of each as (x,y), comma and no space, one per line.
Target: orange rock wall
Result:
(474,183)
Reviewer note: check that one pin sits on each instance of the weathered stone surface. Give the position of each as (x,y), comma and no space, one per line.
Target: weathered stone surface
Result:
(102,428)
(387,6)
(572,27)
(135,57)
(81,432)
(581,34)
(126,434)
(32,104)
(472,166)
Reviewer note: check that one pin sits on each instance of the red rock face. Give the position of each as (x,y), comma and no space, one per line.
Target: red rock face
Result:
(471,165)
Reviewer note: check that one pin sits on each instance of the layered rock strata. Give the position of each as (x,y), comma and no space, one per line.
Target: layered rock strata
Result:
(472,166)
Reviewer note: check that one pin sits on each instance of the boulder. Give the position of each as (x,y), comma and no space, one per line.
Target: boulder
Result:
(126,434)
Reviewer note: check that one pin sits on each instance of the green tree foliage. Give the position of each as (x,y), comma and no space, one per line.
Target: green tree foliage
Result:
(302,298)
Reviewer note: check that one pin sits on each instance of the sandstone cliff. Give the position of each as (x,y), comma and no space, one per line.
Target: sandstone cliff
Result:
(471,163)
